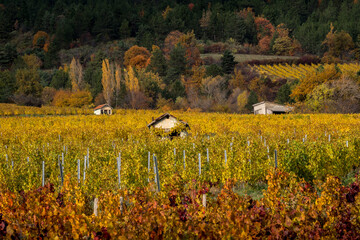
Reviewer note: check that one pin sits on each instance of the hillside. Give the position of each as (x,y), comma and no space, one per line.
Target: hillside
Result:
(78,53)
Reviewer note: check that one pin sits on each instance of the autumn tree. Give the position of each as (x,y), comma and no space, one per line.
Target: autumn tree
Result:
(108,80)
(136,57)
(311,81)
(47,95)
(214,88)
(338,45)
(28,87)
(237,80)
(205,20)
(28,82)
(188,41)
(283,46)
(32,61)
(80,99)
(171,40)
(320,97)
(265,31)
(135,97)
(118,80)
(66,98)
(76,75)
(41,40)
(242,100)
(151,85)
(61,98)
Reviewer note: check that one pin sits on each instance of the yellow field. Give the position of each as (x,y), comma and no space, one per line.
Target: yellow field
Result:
(249,141)
(95,201)
(16,110)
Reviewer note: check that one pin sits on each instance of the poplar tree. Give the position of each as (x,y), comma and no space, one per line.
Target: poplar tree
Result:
(132,85)
(108,80)
(76,75)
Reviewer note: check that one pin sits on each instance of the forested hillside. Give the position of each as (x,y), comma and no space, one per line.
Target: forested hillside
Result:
(148,54)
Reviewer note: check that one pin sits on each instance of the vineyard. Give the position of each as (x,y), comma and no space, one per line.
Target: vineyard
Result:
(100,176)
(16,110)
(286,71)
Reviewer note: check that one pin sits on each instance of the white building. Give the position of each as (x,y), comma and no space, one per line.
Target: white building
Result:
(103,109)
(270,108)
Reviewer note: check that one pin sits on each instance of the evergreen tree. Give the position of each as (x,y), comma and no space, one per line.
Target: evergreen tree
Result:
(214,70)
(174,90)
(176,64)
(60,80)
(157,62)
(252,99)
(7,85)
(228,62)
(93,74)
(8,54)
(283,95)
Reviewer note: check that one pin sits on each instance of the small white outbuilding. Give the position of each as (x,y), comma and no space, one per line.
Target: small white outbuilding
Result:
(104,109)
(270,108)
(168,123)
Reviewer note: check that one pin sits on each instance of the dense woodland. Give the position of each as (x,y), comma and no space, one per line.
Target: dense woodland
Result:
(147,54)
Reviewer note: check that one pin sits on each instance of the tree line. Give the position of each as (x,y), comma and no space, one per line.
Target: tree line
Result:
(146,54)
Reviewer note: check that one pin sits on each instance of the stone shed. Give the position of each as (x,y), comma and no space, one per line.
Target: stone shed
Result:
(170,124)
(270,108)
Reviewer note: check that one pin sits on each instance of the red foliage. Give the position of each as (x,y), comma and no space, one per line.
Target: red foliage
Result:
(191,6)
(264,27)
(170,41)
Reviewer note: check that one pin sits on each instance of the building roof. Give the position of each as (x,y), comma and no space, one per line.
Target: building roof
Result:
(102,106)
(274,106)
(164,116)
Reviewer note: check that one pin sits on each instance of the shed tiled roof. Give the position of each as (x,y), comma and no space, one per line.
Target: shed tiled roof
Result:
(102,106)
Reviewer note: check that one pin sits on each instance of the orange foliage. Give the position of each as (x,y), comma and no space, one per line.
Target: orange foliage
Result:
(136,57)
(170,41)
(265,32)
(139,61)
(282,30)
(188,41)
(245,13)
(264,44)
(80,99)
(194,81)
(41,35)
(64,98)
(61,98)
(264,27)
